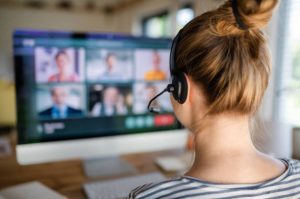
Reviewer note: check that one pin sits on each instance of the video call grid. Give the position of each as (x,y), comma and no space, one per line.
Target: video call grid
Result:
(87,83)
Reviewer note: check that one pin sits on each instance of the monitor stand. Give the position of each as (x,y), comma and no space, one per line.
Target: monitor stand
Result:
(107,166)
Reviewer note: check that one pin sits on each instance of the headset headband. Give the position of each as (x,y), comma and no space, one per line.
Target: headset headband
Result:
(173,66)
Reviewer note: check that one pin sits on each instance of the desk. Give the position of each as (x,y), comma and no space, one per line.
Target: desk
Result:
(67,177)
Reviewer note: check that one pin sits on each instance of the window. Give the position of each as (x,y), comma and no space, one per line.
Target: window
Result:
(183,16)
(157,25)
(289,66)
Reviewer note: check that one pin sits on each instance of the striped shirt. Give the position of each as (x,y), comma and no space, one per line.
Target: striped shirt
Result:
(287,185)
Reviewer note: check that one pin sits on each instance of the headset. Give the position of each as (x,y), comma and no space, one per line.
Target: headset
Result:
(178,86)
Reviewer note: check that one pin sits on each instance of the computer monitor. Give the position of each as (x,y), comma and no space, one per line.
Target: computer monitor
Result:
(81,95)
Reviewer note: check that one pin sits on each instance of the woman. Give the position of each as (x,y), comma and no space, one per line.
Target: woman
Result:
(64,69)
(224,56)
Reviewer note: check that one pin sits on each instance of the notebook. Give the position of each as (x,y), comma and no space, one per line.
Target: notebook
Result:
(29,190)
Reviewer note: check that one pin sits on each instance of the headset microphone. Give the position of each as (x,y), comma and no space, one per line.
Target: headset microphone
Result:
(169,88)
(179,86)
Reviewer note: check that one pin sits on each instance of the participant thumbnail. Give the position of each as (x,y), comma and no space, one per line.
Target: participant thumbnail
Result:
(109,100)
(59,65)
(109,65)
(144,92)
(61,101)
(152,65)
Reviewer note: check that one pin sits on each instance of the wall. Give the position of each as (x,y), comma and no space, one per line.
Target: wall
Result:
(129,19)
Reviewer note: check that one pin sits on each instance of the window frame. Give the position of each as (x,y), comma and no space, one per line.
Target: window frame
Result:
(148,17)
(169,12)
(188,5)
(281,84)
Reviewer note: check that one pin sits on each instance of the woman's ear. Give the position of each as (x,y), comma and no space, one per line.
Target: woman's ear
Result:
(196,97)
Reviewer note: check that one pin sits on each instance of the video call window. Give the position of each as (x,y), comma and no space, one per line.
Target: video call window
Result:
(59,65)
(65,90)
(60,101)
(109,100)
(62,80)
(109,65)
(152,65)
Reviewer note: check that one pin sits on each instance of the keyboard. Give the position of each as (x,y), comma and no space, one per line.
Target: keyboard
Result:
(119,188)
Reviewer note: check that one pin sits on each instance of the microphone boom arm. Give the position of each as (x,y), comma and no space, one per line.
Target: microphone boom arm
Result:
(169,88)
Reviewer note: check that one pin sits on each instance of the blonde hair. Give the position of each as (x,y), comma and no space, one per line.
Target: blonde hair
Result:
(230,64)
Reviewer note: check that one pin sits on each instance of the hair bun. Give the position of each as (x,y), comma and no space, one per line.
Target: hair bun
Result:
(236,16)
(255,13)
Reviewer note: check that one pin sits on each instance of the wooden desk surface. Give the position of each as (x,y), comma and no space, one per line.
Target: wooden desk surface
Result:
(67,177)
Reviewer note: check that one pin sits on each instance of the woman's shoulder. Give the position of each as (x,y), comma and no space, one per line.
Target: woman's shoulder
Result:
(188,185)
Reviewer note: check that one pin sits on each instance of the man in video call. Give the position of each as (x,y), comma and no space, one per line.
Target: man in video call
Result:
(60,109)
(155,74)
(65,71)
(113,103)
(111,72)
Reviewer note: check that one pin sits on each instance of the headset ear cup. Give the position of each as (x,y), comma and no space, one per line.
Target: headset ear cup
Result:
(180,87)
(184,88)
(179,80)
(175,85)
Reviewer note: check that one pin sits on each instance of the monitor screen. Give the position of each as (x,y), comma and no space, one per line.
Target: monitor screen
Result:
(80,85)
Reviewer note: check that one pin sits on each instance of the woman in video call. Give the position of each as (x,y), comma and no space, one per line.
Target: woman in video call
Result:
(64,74)
(225,58)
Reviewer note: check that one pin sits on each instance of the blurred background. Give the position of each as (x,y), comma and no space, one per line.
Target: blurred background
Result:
(280,112)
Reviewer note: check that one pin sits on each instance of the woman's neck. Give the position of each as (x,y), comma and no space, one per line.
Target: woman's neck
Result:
(221,135)
(224,152)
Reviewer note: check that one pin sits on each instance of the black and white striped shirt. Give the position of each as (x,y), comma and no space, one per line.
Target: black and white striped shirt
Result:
(286,185)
